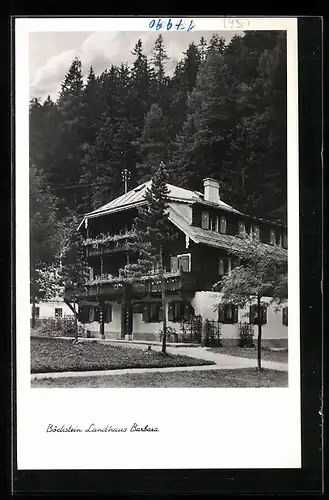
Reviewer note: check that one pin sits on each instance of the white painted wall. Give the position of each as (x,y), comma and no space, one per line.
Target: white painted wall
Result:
(47,309)
(203,304)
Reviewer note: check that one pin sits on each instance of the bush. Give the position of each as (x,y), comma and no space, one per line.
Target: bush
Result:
(246,331)
(58,327)
(172,335)
(212,331)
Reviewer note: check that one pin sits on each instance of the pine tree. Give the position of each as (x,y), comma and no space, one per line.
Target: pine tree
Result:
(159,80)
(153,143)
(67,172)
(152,234)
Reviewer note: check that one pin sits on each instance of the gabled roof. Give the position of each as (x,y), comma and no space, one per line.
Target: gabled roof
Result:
(135,197)
(205,236)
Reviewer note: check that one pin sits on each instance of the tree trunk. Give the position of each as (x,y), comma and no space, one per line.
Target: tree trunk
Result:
(163,304)
(259,338)
(73,309)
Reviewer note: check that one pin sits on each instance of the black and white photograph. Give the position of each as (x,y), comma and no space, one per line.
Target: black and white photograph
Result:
(157,222)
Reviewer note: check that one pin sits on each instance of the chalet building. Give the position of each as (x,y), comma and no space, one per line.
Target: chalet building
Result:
(199,258)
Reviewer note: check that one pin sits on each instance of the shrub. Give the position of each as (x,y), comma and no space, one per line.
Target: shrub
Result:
(246,331)
(171,334)
(212,331)
(58,327)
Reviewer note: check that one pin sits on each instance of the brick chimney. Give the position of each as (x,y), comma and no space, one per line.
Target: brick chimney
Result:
(211,190)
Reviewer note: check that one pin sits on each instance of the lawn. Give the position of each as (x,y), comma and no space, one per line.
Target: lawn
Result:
(242,352)
(246,377)
(58,355)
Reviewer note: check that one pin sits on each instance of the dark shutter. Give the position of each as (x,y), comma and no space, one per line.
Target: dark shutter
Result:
(146,313)
(221,313)
(96,317)
(187,312)
(171,311)
(160,313)
(264,315)
(252,314)
(174,264)
(235,314)
(108,316)
(285,316)
(205,220)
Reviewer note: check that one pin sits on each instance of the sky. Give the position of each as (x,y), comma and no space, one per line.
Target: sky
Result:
(51,53)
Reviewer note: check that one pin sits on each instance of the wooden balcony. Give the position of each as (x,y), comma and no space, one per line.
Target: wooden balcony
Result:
(108,244)
(178,283)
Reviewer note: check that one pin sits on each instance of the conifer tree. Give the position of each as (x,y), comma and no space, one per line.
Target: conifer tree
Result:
(152,234)
(153,143)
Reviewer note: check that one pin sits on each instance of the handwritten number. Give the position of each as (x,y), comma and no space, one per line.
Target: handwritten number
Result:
(152,23)
(159,25)
(191,26)
(169,25)
(179,25)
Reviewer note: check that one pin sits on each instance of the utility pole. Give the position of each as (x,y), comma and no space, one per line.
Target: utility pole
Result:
(125,178)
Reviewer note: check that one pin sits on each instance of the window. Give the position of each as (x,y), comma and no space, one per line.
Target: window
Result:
(173,264)
(285,316)
(272,237)
(179,311)
(224,266)
(83,314)
(36,312)
(58,312)
(205,220)
(284,241)
(242,228)
(184,262)
(213,223)
(152,313)
(223,225)
(253,315)
(228,313)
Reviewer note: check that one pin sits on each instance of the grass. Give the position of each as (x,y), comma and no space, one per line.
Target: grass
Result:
(246,377)
(242,352)
(58,355)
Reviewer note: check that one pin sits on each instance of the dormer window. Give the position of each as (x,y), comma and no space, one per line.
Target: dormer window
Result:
(213,223)
(272,237)
(242,228)
(205,220)
(223,225)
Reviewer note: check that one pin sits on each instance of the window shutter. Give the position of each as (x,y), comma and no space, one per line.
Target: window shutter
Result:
(285,316)
(186,312)
(221,313)
(96,318)
(91,315)
(91,274)
(160,313)
(264,315)
(174,264)
(252,314)
(205,220)
(223,225)
(235,314)
(108,313)
(146,313)
(171,312)
(221,267)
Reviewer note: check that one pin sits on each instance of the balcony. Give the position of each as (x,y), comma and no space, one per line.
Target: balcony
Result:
(107,244)
(111,288)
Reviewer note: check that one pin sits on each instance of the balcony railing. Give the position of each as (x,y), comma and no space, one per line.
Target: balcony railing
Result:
(107,243)
(112,287)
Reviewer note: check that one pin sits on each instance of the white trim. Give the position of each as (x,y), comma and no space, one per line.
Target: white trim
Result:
(189,261)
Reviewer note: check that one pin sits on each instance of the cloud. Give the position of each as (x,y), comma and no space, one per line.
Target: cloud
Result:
(101,49)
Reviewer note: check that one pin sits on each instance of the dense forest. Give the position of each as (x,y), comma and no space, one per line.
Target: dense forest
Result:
(221,114)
